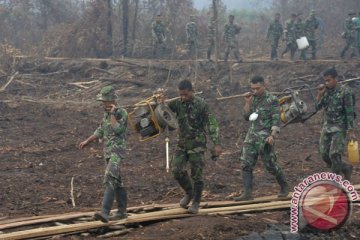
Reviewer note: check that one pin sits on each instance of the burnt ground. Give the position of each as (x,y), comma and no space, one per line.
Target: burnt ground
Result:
(43,119)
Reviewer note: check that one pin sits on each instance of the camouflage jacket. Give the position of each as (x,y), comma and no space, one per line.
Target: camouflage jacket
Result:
(311,24)
(211,29)
(338,104)
(114,137)
(191,31)
(195,119)
(158,32)
(290,31)
(299,29)
(230,32)
(275,30)
(268,109)
(349,28)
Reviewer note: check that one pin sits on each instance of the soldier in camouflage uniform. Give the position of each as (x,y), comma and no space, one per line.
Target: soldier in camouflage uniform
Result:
(338,104)
(211,37)
(300,32)
(311,24)
(230,32)
(191,34)
(112,130)
(159,32)
(349,36)
(274,33)
(290,37)
(260,138)
(195,119)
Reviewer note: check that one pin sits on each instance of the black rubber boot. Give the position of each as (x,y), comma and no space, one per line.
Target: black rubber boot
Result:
(106,205)
(185,184)
(347,171)
(247,182)
(336,163)
(121,199)
(198,188)
(226,56)
(284,187)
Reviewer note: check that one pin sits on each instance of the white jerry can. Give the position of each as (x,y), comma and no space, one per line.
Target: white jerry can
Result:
(302,43)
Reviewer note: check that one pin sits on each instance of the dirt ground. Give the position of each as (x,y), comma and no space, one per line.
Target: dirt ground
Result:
(44,117)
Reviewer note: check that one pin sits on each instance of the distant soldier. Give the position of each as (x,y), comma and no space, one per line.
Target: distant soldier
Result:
(311,24)
(356,21)
(112,130)
(211,37)
(338,104)
(300,32)
(274,33)
(230,32)
(191,35)
(263,110)
(349,36)
(290,37)
(159,32)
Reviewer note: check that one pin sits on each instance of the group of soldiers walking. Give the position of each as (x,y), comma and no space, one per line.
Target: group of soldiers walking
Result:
(295,28)
(196,122)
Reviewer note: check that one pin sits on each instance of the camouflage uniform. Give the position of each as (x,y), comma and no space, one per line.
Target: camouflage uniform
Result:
(230,32)
(311,24)
(349,36)
(290,36)
(267,106)
(159,32)
(338,118)
(211,37)
(357,28)
(274,33)
(114,145)
(192,34)
(300,32)
(194,120)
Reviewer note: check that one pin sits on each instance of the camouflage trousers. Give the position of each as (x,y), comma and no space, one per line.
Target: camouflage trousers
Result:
(252,150)
(274,46)
(331,148)
(350,43)
(192,48)
(290,46)
(312,45)
(159,48)
(112,173)
(210,48)
(232,46)
(179,164)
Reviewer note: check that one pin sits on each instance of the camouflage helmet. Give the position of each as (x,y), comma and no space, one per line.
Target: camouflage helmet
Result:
(313,12)
(106,94)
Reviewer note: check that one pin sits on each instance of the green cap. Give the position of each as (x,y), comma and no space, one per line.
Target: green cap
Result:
(106,94)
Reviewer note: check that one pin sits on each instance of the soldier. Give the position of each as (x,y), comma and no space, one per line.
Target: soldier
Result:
(338,104)
(349,36)
(311,24)
(356,21)
(300,32)
(211,37)
(191,34)
(112,130)
(159,32)
(290,37)
(230,32)
(262,109)
(195,119)
(274,33)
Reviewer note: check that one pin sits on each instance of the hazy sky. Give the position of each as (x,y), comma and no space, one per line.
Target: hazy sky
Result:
(230,4)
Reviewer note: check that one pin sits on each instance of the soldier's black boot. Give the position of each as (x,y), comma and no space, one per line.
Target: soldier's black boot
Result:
(121,199)
(198,188)
(208,53)
(238,58)
(226,56)
(247,182)
(106,205)
(336,163)
(284,187)
(185,184)
(347,171)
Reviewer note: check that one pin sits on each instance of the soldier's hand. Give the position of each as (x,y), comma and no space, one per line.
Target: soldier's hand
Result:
(248,96)
(321,89)
(83,144)
(113,108)
(270,140)
(159,95)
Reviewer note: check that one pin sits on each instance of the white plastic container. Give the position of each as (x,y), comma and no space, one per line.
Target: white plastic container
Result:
(302,43)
